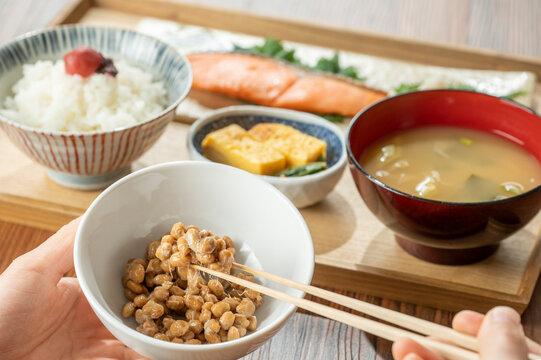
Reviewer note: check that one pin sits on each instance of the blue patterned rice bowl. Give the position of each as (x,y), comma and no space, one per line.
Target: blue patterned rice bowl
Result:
(92,160)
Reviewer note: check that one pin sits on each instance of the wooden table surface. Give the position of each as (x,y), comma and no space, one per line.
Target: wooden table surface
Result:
(503,25)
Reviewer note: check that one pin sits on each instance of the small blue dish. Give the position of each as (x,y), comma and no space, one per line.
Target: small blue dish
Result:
(302,191)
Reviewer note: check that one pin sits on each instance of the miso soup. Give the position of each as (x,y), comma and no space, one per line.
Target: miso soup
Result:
(452,164)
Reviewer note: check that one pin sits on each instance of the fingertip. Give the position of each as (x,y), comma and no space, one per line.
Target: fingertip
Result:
(533,347)
(71,227)
(503,315)
(54,257)
(412,356)
(404,347)
(468,322)
(468,314)
(501,336)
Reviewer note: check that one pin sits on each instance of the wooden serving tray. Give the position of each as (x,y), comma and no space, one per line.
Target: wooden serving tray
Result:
(353,250)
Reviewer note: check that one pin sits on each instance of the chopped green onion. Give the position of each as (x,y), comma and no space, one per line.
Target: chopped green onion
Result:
(427,187)
(512,188)
(387,152)
(466,141)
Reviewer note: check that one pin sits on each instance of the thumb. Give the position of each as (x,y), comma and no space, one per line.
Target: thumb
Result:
(54,257)
(501,336)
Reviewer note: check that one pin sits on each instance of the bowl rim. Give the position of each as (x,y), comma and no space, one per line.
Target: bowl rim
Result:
(353,160)
(154,117)
(292,115)
(149,341)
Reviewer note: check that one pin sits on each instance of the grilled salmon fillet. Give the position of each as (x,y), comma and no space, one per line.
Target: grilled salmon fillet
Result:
(247,77)
(266,82)
(320,94)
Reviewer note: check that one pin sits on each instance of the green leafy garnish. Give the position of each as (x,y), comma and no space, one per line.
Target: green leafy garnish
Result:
(335,118)
(274,49)
(310,168)
(462,87)
(332,65)
(406,88)
(351,72)
(514,94)
(271,48)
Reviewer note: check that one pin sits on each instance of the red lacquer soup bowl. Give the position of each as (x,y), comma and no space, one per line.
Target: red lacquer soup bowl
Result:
(440,231)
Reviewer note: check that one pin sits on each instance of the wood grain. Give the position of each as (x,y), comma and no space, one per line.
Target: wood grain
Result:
(17,240)
(501,25)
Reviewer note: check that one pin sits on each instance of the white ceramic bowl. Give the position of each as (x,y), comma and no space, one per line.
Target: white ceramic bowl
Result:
(92,160)
(267,229)
(302,191)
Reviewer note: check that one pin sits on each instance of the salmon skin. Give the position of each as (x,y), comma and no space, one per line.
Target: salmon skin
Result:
(267,82)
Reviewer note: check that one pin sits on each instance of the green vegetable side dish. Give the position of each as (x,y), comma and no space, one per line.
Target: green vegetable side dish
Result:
(274,49)
(310,168)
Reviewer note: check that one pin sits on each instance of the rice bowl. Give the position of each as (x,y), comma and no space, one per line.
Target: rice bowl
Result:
(91,160)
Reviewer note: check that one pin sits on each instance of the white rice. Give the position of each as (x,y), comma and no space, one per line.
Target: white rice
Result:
(48,98)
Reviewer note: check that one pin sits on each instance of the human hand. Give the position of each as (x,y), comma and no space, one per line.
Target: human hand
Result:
(46,316)
(499,333)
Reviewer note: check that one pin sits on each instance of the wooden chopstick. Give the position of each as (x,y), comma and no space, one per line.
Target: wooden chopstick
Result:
(388,332)
(406,321)
(394,317)
(403,320)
